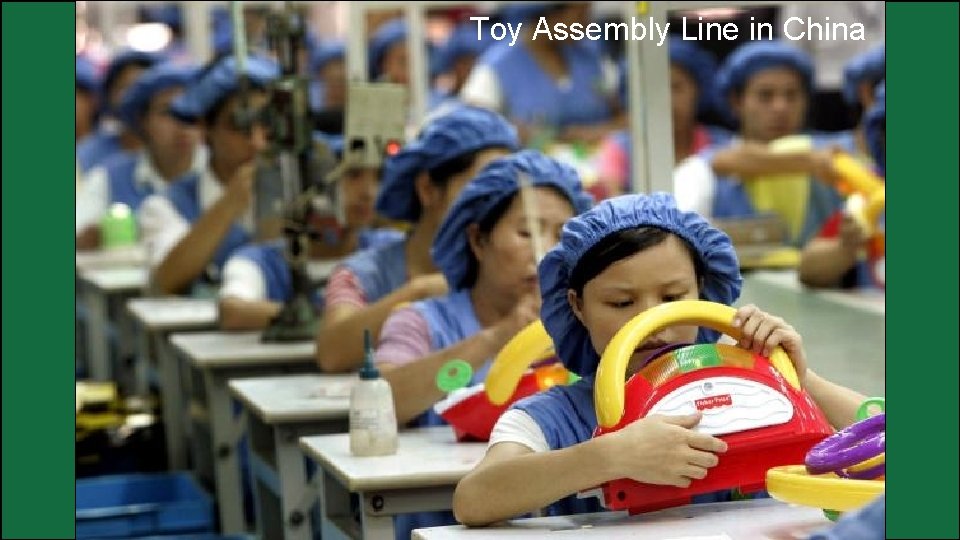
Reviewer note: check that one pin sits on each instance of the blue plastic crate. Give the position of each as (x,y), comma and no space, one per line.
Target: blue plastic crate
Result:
(125,506)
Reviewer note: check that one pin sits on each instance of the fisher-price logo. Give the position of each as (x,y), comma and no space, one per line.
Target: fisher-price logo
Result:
(713,402)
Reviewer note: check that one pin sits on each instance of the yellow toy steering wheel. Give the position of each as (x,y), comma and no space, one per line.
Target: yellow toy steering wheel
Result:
(525,348)
(609,386)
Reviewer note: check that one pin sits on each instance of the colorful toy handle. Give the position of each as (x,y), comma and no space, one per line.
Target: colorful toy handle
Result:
(512,361)
(609,387)
(856,177)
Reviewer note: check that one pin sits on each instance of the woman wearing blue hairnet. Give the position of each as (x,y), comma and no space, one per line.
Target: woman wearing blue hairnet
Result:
(257,280)
(170,150)
(766,86)
(417,186)
(563,86)
(624,256)
(486,252)
(87,84)
(842,255)
(691,93)
(111,136)
(192,228)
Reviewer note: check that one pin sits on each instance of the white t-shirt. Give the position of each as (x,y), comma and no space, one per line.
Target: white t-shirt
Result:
(242,279)
(694,185)
(162,227)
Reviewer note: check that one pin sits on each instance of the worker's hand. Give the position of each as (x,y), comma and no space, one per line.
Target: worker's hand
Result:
(762,333)
(89,238)
(240,190)
(663,450)
(428,286)
(852,235)
(525,312)
(822,167)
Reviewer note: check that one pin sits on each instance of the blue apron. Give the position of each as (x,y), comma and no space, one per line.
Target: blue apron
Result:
(567,417)
(95,148)
(121,182)
(532,96)
(450,319)
(380,270)
(184,195)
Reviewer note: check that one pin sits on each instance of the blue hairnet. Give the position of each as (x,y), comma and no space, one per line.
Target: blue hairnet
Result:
(387,35)
(324,53)
(870,66)
(498,181)
(461,130)
(120,62)
(158,78)
(756,56)
(87,77)
(524,11)
(462,42)
(721,282)
(699,63)
(874,124)
(168,14)
(217,83)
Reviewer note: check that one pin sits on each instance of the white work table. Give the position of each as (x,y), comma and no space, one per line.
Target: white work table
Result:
(740,520)
(420,477)
(102,278)
(214,358)
(133,256)
(158,318)
(280,410)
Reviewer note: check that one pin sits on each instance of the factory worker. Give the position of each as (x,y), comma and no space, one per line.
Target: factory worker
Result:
(328,90)
(486,252)
(562,86)
(417,186)
(257,280)
(452,62)
(622,257)
(170,150)
(387,54)
(110,136)
(766,87)
(842,255)
(692,93)
(198,222)
(860,79)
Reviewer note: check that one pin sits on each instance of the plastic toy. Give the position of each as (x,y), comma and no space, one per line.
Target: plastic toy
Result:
(842,473)
(753,403)
(470,411)
(866,199)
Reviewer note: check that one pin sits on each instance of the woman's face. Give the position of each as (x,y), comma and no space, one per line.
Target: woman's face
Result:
(358,187)
(169,140)
(658,274)
(505,256)
(773,104)
(683,98)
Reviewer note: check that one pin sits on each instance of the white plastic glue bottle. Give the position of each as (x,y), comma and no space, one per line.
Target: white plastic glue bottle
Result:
(373,420)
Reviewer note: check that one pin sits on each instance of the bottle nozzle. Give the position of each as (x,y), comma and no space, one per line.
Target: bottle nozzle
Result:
(369,369)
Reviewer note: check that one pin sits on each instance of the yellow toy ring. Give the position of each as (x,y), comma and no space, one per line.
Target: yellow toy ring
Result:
(609,387)
(527,347)
(792,484)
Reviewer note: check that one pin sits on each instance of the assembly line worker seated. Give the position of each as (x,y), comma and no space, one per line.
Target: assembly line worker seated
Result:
(767,86)
(486,252)
(834,259)
(860,79)
(328,68)
(192,229)
(452,62)
(692,92)
(417,186)
(387,56)
(110,136)
(564,86)
(625,256)
(170,150)
(257,280)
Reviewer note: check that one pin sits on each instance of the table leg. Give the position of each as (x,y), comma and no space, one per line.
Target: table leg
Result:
(293,484)
(226,461)
(98,342)
(336,519)
(375,526)
(172,398)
